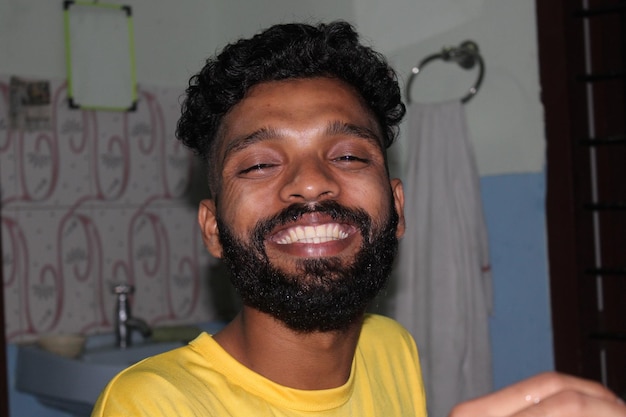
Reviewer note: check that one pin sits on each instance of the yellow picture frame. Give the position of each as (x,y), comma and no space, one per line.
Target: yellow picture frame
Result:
(100,56)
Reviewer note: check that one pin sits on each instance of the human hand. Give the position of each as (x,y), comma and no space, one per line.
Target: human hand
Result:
(548,394)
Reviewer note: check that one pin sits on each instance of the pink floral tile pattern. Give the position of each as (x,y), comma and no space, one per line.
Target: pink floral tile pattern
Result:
(99,197)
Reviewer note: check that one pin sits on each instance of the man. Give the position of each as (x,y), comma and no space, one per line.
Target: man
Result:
(294,124)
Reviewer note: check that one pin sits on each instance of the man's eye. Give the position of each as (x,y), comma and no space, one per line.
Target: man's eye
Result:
(350,158)
(255,168)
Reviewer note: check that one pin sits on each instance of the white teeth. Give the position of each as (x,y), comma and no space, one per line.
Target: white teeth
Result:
(312,234)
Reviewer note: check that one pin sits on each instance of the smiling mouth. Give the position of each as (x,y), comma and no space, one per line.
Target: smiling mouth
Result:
(312,234)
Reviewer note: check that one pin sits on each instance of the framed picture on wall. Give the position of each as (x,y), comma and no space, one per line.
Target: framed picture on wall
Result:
(100,56)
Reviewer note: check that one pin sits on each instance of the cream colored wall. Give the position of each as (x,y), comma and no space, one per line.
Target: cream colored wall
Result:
(505,118)
(31,37)
(172,38)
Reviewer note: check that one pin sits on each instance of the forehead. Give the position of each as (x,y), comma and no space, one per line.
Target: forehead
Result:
(297,104)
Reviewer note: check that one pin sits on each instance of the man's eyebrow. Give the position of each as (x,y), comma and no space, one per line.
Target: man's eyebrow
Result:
(244,141)
(350,129)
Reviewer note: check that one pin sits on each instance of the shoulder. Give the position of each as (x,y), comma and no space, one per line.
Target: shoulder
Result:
(388,354)
(380,332)
(155,371)
(380,325)
(173,364)
(172,374)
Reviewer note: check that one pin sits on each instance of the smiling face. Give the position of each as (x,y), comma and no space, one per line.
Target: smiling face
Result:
(305,214)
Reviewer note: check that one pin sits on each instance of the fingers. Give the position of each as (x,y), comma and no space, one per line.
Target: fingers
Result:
(574,404)
(549,394)
(542,386)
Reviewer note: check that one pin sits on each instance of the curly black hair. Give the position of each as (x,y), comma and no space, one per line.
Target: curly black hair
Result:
(286,51)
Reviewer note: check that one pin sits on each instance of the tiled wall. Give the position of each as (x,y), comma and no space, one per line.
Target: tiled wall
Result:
(94,198)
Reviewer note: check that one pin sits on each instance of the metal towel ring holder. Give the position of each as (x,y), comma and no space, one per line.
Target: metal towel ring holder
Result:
(465,55)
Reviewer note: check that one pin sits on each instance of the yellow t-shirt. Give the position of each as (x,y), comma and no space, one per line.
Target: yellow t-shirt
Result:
(201,379)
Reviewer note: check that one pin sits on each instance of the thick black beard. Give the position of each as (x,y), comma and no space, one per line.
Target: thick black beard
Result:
(324,295)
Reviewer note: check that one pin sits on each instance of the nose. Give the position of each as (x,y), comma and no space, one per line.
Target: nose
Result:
(309,180)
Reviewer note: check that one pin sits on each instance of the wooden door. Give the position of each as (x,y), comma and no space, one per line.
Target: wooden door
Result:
(582,54)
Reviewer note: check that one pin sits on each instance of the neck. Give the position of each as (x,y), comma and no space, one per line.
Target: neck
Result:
(311,361)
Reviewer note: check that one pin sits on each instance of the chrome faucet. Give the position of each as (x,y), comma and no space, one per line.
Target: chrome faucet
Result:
(124,322)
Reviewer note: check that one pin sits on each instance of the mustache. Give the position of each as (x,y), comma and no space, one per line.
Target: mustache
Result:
(354,216)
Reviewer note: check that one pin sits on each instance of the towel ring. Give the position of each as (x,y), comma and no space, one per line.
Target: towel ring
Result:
(465,55)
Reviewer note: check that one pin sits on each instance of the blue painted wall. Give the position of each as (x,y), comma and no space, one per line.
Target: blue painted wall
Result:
(521,333)
(521,330)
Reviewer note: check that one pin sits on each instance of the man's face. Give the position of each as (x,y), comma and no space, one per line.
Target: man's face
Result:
(306,216)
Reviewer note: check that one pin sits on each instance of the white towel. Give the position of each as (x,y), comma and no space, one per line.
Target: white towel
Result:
(444,293)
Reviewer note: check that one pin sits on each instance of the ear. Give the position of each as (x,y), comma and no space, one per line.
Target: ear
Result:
(208,225)
(397,190)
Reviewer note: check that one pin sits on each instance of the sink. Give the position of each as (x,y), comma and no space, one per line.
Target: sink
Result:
(73,385)
(122,358)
